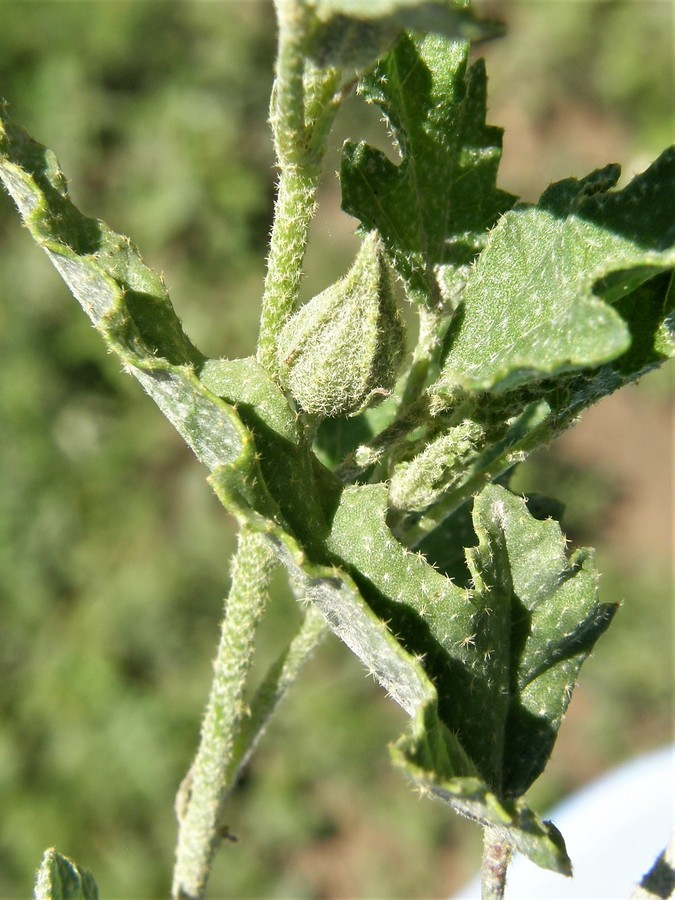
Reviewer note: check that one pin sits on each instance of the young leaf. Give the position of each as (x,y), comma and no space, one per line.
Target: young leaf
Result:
(59,878)
(434,208)
(557,286)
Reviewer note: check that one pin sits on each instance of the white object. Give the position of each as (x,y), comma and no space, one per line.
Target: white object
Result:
(614,829)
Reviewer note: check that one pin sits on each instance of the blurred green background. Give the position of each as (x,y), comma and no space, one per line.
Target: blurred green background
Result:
(114,553)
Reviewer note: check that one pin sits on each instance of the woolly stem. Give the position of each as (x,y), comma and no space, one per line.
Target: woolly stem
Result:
(304,102)
(204,792)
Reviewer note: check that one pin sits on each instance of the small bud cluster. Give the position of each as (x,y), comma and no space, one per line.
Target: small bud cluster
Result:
(420,482)
(341,351)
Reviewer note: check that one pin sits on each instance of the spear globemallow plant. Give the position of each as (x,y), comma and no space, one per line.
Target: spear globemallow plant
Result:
(375,468)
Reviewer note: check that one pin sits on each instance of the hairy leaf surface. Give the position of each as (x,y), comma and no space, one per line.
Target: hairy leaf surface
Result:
(126,302)
(485,673)
(558,285)
(503,656)
(434,208)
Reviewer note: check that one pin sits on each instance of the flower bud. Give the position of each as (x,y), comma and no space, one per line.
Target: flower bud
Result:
(419,483)
(341,351)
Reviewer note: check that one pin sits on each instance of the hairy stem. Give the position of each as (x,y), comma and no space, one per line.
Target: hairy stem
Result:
(496,858)
(293,212)
(304,102)
(203,795)
(423,356)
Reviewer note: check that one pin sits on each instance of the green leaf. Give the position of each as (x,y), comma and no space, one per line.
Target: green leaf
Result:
(503,657)
(423,608)
(126,302)
(59,878)
(541,620)
(557,288)
(433,209)
(352,34)
(303,491)
(129,306)
(493,693)
(429,758)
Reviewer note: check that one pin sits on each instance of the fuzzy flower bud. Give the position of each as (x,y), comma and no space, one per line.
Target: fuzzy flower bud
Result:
(341,351)
(419,483)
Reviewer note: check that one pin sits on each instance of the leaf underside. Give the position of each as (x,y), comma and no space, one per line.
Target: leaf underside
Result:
(352,34)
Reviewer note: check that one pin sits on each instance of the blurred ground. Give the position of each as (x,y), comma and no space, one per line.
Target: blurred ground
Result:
(114,553)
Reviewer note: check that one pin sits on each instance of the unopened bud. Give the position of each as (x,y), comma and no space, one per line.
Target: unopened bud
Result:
(417,484)
(341,351)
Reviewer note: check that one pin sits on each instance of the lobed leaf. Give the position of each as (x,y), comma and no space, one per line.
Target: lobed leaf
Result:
(525,591)
(372,599)
(425,756)
(484,673)
(434,208)
(503,657)
(560,286)
(521,572)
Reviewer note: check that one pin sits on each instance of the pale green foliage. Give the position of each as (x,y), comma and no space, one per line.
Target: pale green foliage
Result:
(524,321)
(341,351)
(502,656)
(542,298)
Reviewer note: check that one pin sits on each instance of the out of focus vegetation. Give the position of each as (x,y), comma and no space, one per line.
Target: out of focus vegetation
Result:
(114,553)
